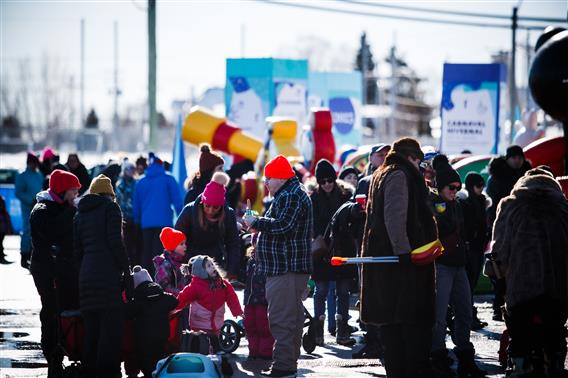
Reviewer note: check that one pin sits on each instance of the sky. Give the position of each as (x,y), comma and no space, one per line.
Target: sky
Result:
(194,38)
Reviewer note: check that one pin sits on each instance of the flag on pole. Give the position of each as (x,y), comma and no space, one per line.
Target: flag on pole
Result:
(179,170)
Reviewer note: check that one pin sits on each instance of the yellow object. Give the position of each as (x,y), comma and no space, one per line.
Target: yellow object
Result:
(200,126)
(284,133)
(245,145)
(426,247)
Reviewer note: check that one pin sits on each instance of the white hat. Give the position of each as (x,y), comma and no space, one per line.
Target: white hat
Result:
(140,275)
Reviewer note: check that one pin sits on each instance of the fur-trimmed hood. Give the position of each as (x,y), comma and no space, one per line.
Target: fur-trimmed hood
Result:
(499,168)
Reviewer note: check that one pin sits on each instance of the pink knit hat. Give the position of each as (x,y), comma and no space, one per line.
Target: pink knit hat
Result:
(214,193)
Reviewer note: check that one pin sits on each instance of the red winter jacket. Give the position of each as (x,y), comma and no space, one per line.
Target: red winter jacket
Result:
(207,306)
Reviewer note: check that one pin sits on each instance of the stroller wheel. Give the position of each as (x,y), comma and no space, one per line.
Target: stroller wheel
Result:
(229,336)
(308,342)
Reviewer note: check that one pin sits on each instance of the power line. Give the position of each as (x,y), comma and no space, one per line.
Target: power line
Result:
(452,13)
(396,17)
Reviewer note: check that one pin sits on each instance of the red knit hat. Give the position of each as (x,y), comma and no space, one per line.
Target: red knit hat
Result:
(171,238)
(279,168)
(61,181)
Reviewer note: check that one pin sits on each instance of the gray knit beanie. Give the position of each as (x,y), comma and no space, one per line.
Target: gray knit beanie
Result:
(198,266)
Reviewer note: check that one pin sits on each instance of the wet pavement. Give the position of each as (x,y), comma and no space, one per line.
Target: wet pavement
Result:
(21,356)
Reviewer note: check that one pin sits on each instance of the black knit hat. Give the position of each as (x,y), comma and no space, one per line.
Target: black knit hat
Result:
(445,174)
(324,169)
(473,179)
(513,151)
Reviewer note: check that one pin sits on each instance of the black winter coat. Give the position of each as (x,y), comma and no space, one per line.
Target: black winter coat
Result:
(476,234)
(324,206)
(51,225)
(150,310)
(100,252)
(449,218)
(225,248)
(501,181)
(83,176)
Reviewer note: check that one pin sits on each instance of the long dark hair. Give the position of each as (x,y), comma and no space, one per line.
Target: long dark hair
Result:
(204,222)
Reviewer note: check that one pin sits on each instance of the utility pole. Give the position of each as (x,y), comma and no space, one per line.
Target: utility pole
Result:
(512,81)
(528,50)
(115,91)
(393,90)
(82,75)
(153,117)
(243,30)
(364,68)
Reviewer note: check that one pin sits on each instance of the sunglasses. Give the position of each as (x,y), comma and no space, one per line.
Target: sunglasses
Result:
(454,187)
(327,181)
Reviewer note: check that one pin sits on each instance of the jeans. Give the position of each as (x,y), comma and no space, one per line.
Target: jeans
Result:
(452,288)
(341,292)
(331,307)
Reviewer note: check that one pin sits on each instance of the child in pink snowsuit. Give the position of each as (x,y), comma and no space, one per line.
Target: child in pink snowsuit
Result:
(207,294)
(260,340)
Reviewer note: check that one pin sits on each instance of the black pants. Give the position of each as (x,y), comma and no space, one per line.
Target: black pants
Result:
(133,242)
(103,340)
(53,301)
(499,287)
(152,247)
(406,349)
(537,325)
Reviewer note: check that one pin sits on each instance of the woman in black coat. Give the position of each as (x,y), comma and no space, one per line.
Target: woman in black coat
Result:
(104,266)
(327,197)
(51,227)
(210,226)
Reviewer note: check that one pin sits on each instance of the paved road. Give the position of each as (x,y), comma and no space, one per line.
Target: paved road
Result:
(20,353)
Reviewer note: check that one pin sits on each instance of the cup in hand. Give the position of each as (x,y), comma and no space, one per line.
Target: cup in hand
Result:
(361,199)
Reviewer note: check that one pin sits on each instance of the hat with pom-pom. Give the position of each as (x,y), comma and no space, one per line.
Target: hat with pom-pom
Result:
(208,159)
(140,275)
(214,193)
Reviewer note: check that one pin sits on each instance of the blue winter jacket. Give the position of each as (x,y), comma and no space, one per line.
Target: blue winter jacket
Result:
(154,196)
(28,184)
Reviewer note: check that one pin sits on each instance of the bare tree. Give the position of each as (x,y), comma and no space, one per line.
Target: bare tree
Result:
(321,54)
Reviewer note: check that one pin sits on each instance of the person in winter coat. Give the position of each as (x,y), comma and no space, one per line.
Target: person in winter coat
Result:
(104,271)
(5,229)
(51,226)
(75,166)
(283,254)
(28,184)
(530,244)
(260,340)
(452,285)
(504,173)
(169,264)
(206,297)
(150,309)
(210,226)
(209,163)
(154,196)
(400,298)
(327,197)
(476,234)
(125,198)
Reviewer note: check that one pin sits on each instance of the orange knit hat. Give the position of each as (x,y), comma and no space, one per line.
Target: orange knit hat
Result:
(171,238)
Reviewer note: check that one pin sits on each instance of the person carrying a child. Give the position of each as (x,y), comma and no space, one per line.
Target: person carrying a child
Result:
(206,295)
(260,340)
(168,265)
(150,309)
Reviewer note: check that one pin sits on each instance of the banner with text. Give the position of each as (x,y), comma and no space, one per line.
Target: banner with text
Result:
(470,107)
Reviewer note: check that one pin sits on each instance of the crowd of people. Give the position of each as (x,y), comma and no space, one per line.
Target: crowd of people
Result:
(109,242)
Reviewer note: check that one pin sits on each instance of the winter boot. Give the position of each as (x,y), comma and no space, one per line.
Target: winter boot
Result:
(343,335)
(476,324)
(466,364)
(25,262)
(317,328)
(441,366)
(519,367)
(3,260)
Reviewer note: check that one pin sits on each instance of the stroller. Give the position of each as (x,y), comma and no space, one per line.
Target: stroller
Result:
(232,332)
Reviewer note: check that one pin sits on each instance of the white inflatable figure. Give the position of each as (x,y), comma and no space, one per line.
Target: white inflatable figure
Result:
(529,131)
(246,108)
(471,122)
(291,101)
